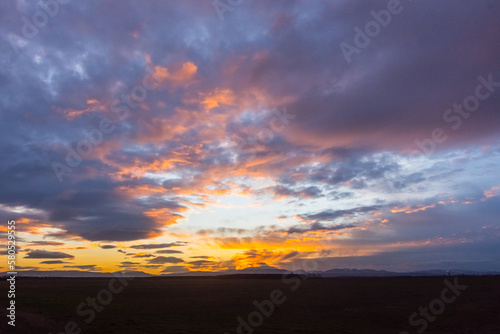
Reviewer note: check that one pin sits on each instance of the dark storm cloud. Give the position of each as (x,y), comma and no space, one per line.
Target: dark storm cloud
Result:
(42,254)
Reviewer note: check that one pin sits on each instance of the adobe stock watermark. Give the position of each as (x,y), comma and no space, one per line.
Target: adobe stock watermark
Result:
(94,137)
(30,28)
(458,113)
(363,38)
(436,307)
(104,297)
(221,6)
(11,274)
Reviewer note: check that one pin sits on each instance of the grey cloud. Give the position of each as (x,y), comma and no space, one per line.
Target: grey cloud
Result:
(330,215)
(169,251)
(165,259)
(107,246)
(42,254)
(53,262)
(83,267)
(156,246)
(318,227)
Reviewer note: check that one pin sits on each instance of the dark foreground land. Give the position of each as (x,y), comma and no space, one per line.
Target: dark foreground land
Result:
(212,305)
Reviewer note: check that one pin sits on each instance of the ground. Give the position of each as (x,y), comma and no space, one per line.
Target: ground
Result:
(213,305)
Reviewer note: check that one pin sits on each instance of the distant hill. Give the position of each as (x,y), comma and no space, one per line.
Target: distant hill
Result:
(378,273)
(355,272)
(262,270)
(77,273)
(346,272)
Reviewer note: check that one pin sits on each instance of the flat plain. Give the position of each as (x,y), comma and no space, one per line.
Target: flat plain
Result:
(213,305)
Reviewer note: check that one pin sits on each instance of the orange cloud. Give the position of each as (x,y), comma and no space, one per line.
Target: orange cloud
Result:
(31,226)
(410,209)
(258,257)
(185,73)
(164,216)
(93,105)
(492,192)
(217,98)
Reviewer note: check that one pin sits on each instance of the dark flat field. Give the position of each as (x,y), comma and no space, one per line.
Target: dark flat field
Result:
(212,305)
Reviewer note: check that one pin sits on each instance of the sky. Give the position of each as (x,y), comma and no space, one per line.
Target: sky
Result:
(189,135)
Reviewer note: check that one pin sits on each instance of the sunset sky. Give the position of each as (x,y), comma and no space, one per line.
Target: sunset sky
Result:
(173,136)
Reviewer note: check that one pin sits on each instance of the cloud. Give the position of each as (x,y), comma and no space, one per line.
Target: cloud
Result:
(280,191)
(290,255)
(128,264)
(152,266)
(42,254)
(222,231)
(45,243)
(408,180)
(143,255)
(201,263)
(165,259)
(330,215)
(336,196)
(169,251)
(83,267)
(175,269)
(156,246)
(319,227)
(53,262)
(257,257)
(212,124)
(107,246)
(27,268)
